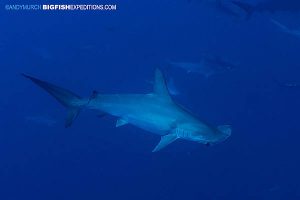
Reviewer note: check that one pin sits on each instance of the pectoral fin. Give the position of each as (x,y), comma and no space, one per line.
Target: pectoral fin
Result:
(164,141)
(121,122)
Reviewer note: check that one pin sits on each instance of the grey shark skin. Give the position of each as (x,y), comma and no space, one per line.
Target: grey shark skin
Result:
(155,112)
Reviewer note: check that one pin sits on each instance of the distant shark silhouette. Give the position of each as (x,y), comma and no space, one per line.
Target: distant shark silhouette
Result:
(207,66)
(155,112)
(283,28)
(269,6)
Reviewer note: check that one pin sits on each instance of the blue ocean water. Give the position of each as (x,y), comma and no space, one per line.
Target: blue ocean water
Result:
(117,52)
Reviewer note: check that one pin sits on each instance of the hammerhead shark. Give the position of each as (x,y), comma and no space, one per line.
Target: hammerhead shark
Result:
(154,112)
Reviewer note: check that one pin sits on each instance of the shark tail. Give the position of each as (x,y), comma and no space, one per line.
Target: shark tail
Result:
(249,9)
(67,98)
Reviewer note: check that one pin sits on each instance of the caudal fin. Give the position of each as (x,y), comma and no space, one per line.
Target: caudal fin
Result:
(249,9)
(64,96)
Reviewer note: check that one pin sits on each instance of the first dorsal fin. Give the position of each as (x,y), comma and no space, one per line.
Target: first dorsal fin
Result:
(160,86)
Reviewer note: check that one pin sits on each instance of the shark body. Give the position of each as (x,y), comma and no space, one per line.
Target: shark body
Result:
(155,112)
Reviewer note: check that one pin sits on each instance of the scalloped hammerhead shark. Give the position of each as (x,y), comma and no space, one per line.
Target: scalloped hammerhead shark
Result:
(155,112)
